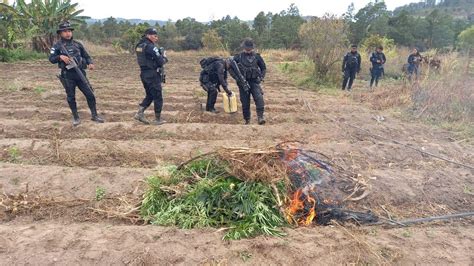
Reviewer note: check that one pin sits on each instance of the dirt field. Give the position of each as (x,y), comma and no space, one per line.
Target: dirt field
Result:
(44,159)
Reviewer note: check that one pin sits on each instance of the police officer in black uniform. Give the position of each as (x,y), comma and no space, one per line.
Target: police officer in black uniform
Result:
(151,60)
(253,68)
(350,67)
(378,60)
(214,76)
(62,53)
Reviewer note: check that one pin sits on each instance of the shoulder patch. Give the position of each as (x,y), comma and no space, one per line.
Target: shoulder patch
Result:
(156,50)
(139,49)
(53,50)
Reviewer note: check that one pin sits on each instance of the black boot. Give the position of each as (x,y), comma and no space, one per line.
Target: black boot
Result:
(247,121)
(75,119)
(140,115)
(158,121)
(261,120)
(95,117)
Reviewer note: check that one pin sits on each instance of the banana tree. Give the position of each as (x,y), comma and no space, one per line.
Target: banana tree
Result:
(43,16)
(9,28)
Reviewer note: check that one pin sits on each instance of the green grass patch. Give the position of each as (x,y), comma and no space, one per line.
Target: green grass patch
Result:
(12,55)
(204,194)
(39,90)
(99,193)
(14,154)
(302,74)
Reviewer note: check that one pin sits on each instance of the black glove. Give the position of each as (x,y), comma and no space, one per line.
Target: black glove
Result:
(227,91)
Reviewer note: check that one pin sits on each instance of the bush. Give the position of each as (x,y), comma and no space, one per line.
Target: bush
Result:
(325,42)
(11,55)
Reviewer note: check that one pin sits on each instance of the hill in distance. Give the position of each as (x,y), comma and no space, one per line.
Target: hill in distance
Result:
(462,9)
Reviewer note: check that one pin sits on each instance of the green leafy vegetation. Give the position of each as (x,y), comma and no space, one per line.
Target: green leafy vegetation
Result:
(99,193)
(14,154)
(39,90)
(11,55)
(204,195)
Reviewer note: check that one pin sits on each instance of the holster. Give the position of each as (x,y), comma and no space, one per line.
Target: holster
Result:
(62,80)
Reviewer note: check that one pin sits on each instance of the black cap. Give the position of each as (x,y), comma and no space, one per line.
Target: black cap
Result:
(248,44)
(151,31)
(354,46)
(64,26)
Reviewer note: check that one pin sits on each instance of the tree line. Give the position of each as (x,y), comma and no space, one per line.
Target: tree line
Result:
(37,21)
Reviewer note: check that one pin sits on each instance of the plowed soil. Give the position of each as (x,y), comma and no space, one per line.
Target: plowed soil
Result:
(52,170)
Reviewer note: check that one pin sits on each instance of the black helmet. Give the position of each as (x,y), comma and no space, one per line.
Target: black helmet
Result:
(151,31)
(64,26)
(248,44)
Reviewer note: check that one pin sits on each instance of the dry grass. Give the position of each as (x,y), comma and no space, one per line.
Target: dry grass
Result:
(446,95)
(202,53)
(264,165)
(121,208)
(276,55)
(250,164)
(385,96)
(441,96)
(100,49)
(280,55)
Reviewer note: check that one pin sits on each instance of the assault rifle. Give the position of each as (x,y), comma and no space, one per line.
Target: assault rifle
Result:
(239,78)
(161,70)
(73,64)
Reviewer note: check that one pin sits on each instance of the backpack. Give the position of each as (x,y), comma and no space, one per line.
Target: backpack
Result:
(206,66)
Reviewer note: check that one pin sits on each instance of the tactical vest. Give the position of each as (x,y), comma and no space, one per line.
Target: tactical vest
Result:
(249,66)
(353,60)
(143,61)
(73,50)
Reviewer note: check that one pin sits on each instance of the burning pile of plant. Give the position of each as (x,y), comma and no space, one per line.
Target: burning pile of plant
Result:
(249,192)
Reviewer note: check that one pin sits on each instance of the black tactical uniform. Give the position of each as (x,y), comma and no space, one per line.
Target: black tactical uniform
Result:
(253,68)
(151,60)
(213,76)
(70,78)
(350,66)
(378,60)
(414,62)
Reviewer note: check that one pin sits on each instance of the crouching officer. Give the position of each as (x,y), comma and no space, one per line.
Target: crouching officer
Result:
(151,61)
(253,69)
(378,60)
(66,53)
(350,67)
(212,77)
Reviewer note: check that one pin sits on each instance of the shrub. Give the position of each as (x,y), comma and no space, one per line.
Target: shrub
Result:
(11,55)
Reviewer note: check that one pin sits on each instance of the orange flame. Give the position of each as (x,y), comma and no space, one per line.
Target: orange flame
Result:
(297,207)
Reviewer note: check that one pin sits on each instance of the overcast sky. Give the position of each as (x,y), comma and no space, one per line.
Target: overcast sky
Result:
(206,10)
